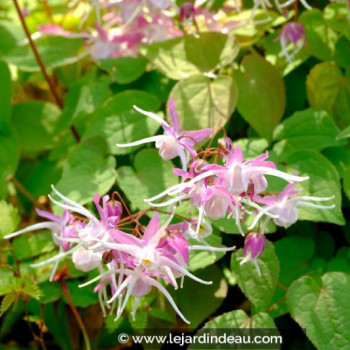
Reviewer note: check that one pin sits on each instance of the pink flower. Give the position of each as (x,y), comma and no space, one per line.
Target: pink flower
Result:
(284,206)
(173,142)
(292,34)
(254,245)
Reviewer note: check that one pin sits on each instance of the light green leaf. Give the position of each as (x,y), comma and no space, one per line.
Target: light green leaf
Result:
(308,129)
(262,96)
(145,181)
(28,246)
(252,147)
(328,89)
(9,218)
(344,134)
(336,16)
(182,57)
(35,123)
(204,103)
(258,289)
(239,319)
(124,70)
(321,306)
(320,37)
(324,182)
(83,98)
(238,325)
(55,51)
(10,33)
(6,302)
(87,170)
(118,122)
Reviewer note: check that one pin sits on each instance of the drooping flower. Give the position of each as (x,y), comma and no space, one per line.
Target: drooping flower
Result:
(162,252)
(284,206)
(254,245)
(292,39)
(235,184)
(174,142)
(187,12)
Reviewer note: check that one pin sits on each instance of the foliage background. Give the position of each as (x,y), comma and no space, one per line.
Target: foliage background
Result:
(299,111)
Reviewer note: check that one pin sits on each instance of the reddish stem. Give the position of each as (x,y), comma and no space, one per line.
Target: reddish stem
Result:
(49,81)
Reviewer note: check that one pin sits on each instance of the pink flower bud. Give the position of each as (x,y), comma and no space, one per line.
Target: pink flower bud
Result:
(254,245)
(168,147)
(186,11)
(216,207)
(85,260)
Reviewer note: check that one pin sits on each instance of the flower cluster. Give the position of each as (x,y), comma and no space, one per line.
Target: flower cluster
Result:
(217,181)
(117,28)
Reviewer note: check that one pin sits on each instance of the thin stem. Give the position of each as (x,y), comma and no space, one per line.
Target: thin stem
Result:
(24,192)
(49,81)
(76,313)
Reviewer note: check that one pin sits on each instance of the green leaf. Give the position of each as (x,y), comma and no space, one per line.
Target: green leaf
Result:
(87,170)
(200,259)
(295,255)
(321,306)
(83,98)
(10,33)
(239,319)
(336,16)
(344,134)
(28,246)
(320,37)
(42,175)
(252,147)
(328,89)
(81,297)
(8,160)
(118,122)
(182,57)
(5,96)
(204,103)
(262,96)
(60,330)
(324,182)
(51,291)
(8,140)
(35,123)
(6,302)
(124,70)
(55,51)
(346,182)
(9,218)
(308,129)
(192,303)
(258,289)
(145,181)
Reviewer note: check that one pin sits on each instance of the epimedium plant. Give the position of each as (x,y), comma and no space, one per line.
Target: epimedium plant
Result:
(179,143)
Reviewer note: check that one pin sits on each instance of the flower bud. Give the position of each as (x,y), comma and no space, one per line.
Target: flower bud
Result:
(186,12)
(225,144)
(254,245)
(216,207)
(113,212)
(85,260)
(168,147)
